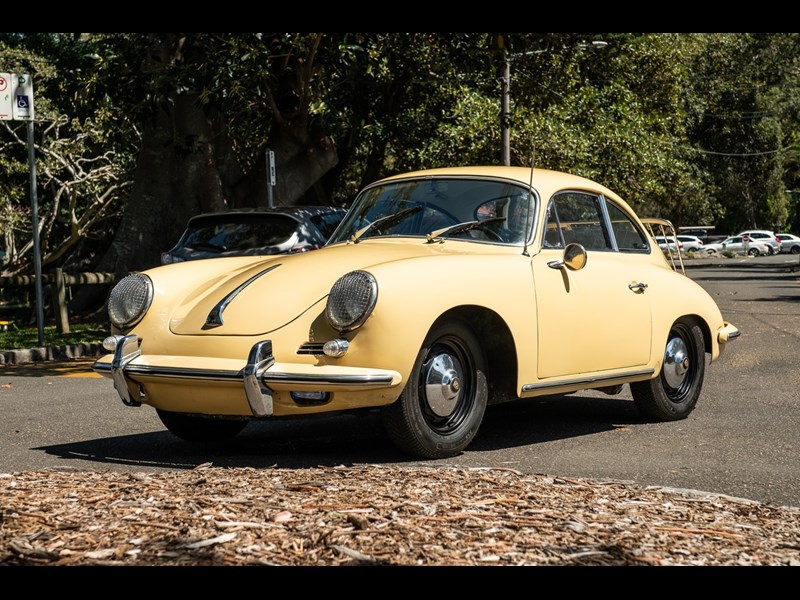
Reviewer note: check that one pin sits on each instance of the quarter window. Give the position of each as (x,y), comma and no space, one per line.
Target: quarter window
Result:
(628,236)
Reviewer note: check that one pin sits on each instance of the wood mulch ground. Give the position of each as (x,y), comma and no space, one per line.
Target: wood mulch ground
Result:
(377,515)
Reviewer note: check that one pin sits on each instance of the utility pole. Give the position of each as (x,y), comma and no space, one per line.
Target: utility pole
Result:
(505,102)
(505,110)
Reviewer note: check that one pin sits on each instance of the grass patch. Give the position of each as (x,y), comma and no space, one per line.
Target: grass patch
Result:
(24,338)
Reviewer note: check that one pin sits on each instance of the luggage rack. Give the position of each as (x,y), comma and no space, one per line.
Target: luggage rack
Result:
(662,227)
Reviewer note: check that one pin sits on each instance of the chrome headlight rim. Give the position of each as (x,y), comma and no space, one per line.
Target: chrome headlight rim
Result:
(351,300)
(124,311)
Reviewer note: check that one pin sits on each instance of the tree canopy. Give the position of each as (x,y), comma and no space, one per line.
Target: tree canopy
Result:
(136,132)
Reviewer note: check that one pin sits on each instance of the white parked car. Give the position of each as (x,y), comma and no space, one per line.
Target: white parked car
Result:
(662,243)
(685,243)
(735,244)
(691,243)
(789,243)
(766,236)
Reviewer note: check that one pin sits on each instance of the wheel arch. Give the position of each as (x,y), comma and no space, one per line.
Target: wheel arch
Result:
(704,327)
(498,346)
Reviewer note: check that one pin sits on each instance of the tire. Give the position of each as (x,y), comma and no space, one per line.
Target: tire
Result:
(795,249)
(200,429)
(754,252)
(674,393)
(442,405)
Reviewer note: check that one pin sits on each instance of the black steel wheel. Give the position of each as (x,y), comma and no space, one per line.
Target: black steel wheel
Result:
(441,408)
(674,393)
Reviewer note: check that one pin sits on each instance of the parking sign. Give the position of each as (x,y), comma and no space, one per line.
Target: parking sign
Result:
(5,97)
(22,97)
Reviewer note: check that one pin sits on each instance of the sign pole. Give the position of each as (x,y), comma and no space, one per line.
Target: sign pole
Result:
(37,257)
(16,103)
(270,176)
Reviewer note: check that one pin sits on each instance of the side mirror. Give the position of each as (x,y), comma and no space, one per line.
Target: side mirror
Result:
(574,258)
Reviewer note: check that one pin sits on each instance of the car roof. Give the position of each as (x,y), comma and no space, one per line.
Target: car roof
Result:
(546,181)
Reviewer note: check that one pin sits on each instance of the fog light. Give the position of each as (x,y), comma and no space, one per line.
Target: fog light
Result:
(111,342)
(335,348)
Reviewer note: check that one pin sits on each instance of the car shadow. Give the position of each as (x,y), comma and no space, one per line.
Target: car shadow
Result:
(349,439)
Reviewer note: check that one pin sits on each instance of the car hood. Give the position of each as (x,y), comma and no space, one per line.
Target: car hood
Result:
(267,294)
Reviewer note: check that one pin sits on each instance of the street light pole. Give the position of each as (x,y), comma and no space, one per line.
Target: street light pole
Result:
(505,103)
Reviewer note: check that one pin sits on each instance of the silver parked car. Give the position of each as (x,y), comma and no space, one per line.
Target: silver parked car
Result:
(735,244)
(789,243)
(766,236)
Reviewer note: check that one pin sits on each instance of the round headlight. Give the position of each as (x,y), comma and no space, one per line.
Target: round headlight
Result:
(351,300)
(129,300)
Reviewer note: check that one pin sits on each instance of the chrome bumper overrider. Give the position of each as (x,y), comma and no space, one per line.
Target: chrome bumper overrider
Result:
(255,377)
(727,333)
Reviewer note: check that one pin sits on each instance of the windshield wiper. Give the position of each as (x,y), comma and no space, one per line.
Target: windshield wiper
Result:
(386,221)
(460,228)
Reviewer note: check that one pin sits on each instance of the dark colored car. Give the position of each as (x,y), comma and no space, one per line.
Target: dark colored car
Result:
(255,232)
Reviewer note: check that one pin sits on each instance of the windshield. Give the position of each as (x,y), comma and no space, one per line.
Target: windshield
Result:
(421,207)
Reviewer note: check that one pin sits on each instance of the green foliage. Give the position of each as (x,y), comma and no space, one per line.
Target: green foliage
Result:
(85,153)
(696,128)
(25,338)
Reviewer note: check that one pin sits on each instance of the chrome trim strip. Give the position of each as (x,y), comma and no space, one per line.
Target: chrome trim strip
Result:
(235,376)
(127,349)
(328,380)
(214,318)
(530,387)
(183,373)
(311,348)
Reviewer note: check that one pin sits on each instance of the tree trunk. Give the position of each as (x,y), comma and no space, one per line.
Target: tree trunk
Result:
(176,178)
(300,161)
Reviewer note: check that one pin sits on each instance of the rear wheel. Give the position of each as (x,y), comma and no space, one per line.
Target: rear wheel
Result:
(674,393)
(755,252)
(200,429)
(442,405)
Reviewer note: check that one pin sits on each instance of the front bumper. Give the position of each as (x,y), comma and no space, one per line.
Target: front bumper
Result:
(259,377)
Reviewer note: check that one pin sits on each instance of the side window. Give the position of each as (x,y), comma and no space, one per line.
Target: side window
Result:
(629,237)
(552,228)
(575,217)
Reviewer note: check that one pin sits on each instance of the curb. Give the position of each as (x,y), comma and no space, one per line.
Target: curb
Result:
(47,353)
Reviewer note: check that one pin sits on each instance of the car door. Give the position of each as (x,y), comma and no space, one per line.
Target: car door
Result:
(594,319)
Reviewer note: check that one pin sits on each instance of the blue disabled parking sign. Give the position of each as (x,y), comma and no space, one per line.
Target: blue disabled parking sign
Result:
(22,92)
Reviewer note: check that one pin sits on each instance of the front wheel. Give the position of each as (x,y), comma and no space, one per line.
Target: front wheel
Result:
(200,429)
(442,405)
(674,393)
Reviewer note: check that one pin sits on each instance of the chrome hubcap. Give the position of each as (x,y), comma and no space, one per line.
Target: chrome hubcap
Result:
(442,385)
(676,362)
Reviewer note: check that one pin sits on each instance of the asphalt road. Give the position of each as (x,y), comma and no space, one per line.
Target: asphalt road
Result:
(743,439)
